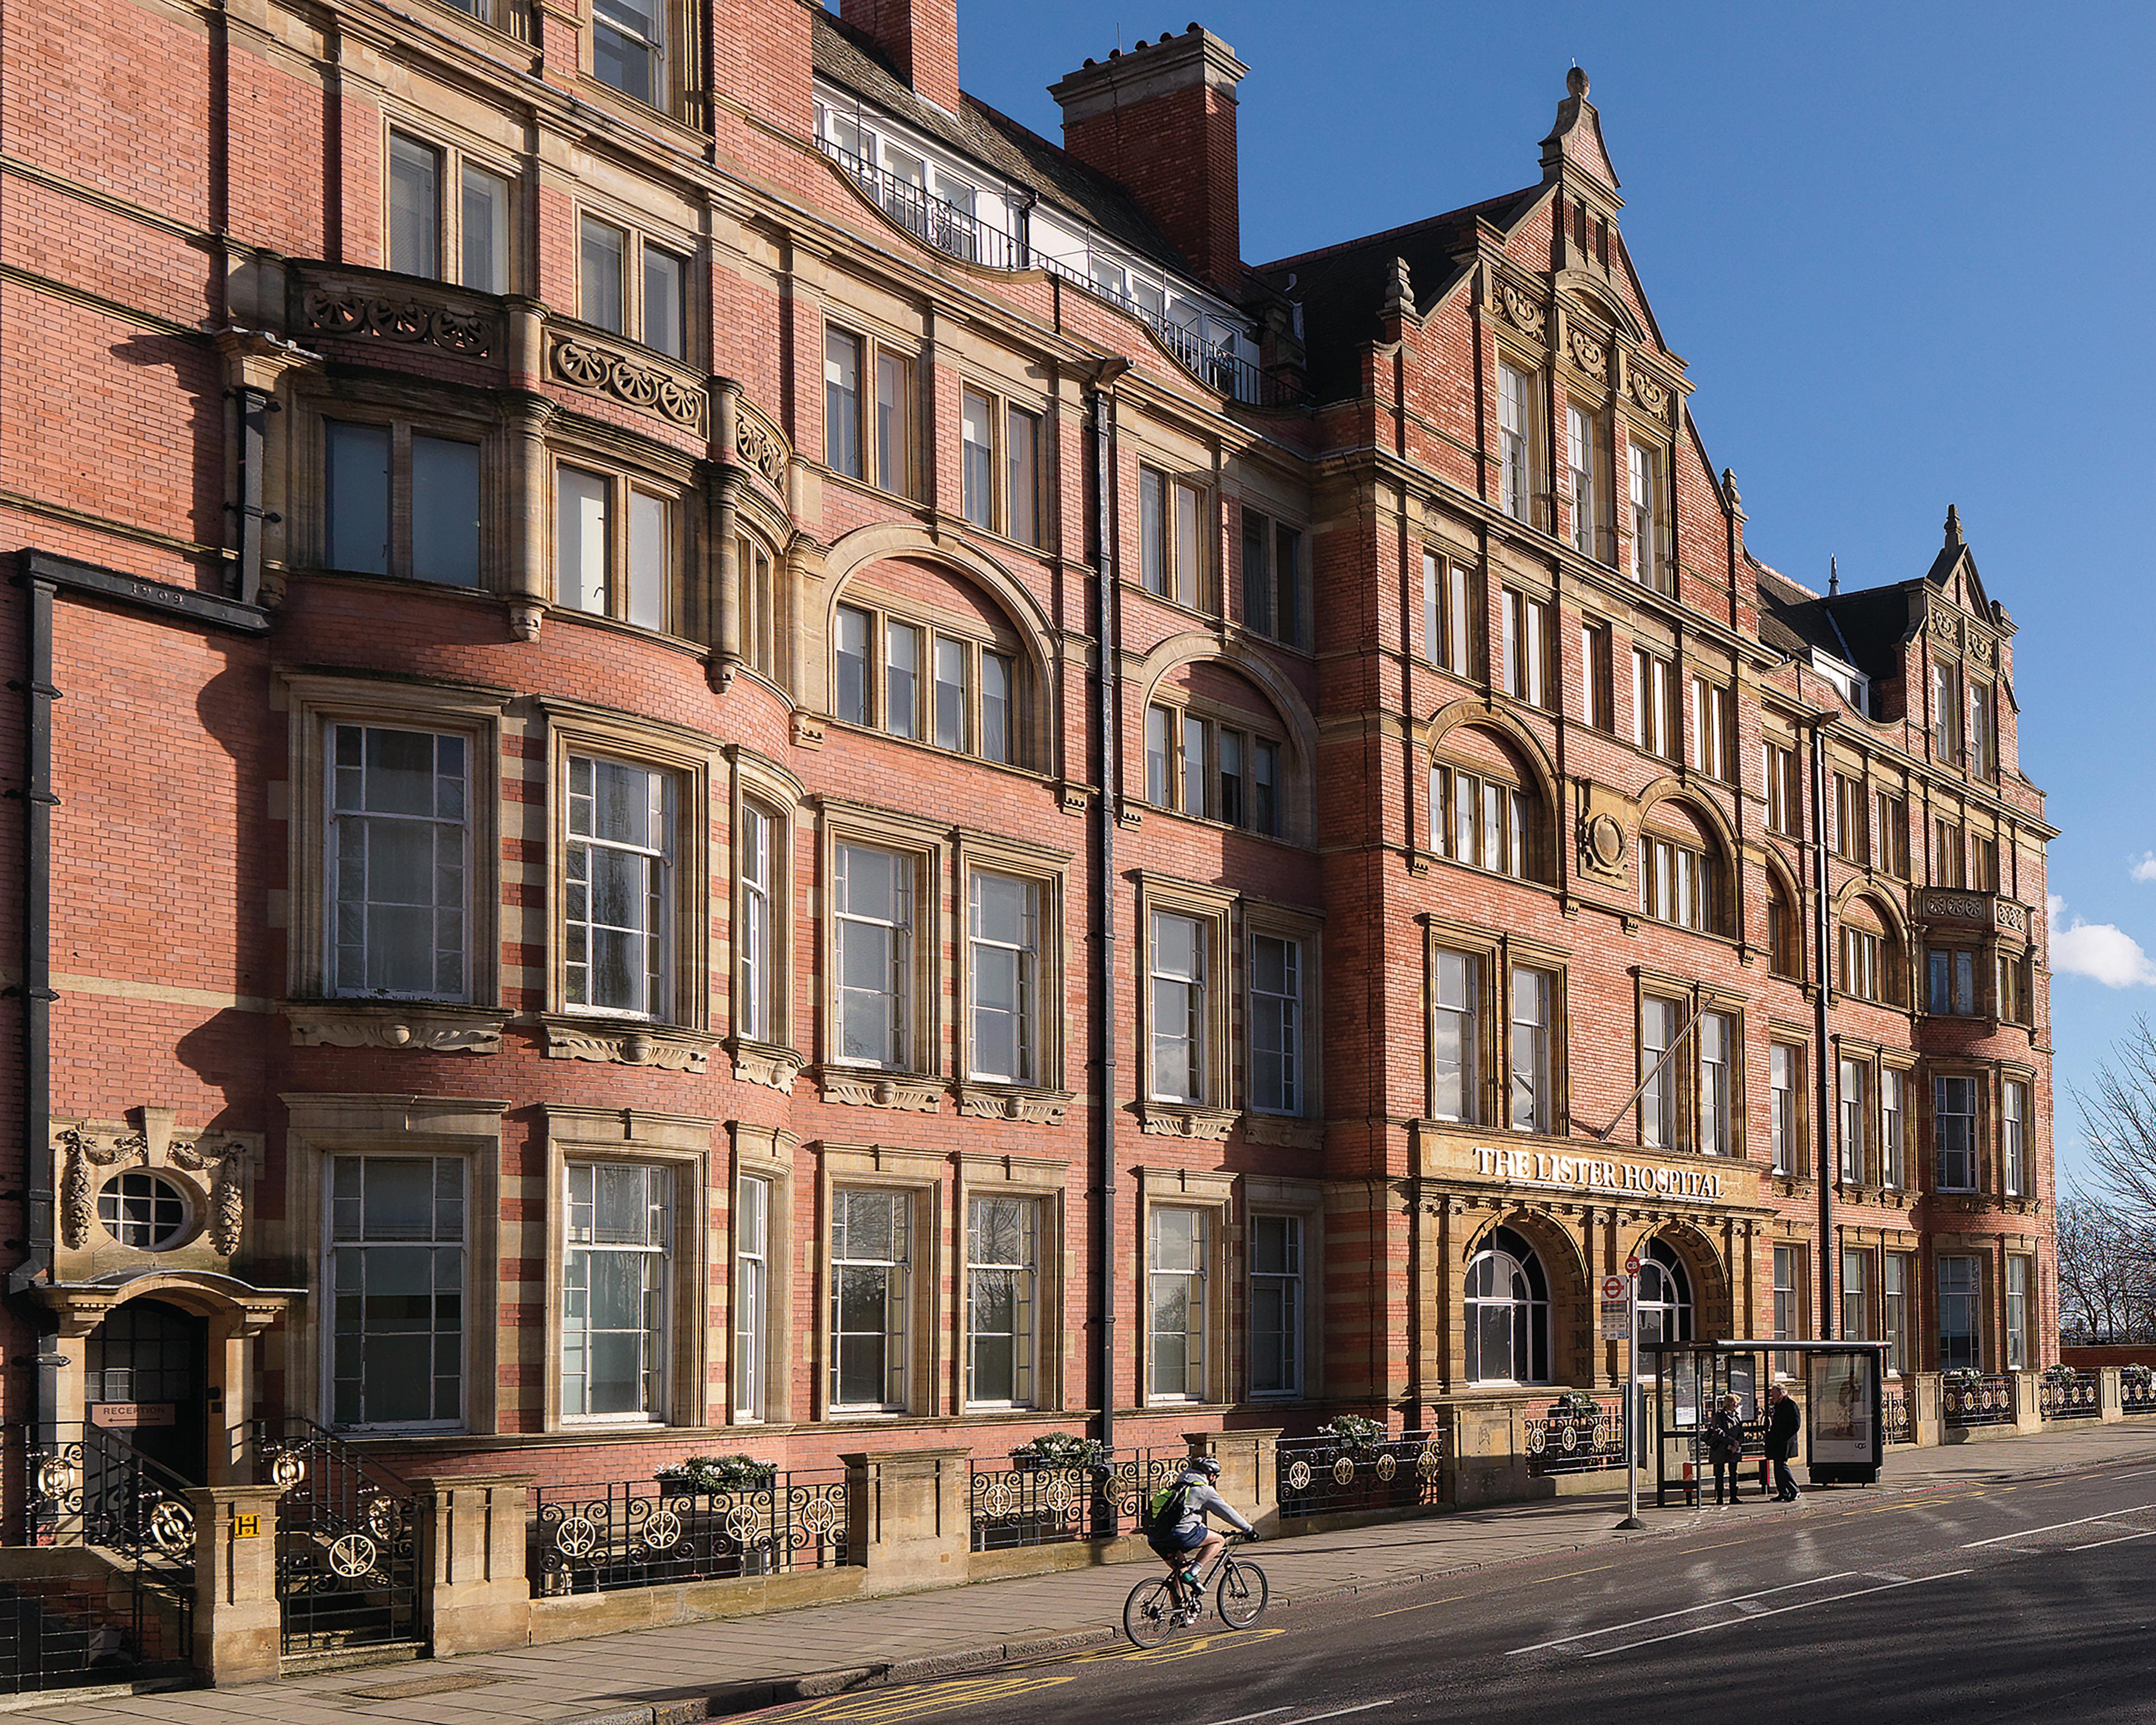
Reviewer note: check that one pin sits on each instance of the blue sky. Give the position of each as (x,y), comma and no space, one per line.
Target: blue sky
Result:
(1906,251)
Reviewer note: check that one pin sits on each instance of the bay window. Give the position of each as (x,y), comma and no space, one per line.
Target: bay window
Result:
(614,548)
(400,501)
(1950,974)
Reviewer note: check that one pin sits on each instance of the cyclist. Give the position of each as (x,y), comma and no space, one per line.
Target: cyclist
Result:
(1180,1537)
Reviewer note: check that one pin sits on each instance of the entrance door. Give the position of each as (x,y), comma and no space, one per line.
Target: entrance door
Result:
(143,1382)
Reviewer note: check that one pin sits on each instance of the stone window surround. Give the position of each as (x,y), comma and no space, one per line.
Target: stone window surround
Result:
(1028,718)
(1046,1183)
(1457,558)
(1200,472)
(1305,1128)
(1045,1100)
(1497,953)
(682,1143)
(456,148)
(1214,1115)
(324,1125)
(765,1153)
(2003,1072)
(403,406)
(1870,1159)
(776,1060)
(636,227)
(1191,1188)
(876,337)
(919,1174)
(1906,1064)
(625,468)
(1986,1077)
(315,701)
(1694,1000)
(1270,1195)
(919,1086)
(682,1039)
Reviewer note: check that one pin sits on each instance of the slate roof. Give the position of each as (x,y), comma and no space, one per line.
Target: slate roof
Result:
(846,58)
(1865,628)
(1343,287)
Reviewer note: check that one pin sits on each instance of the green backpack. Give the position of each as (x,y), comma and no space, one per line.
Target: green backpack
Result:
(1168,1507)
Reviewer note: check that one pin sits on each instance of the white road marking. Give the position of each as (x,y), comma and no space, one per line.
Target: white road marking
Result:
(2078,1521)
(2123,1538)
(1245,1718)
(2143,1474)
(1611,1629)
(1342,1712)
(1779,1611)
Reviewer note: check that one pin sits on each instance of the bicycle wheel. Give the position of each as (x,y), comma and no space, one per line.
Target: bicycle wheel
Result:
(1149,1613)
(1241,1594)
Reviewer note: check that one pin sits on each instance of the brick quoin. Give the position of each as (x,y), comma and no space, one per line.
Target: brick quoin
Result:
(204,225)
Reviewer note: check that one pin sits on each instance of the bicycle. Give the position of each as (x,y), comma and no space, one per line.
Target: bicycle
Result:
(1157,1608)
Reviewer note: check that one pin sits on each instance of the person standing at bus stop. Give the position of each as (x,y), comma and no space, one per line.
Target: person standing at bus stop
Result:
(1783,1422)
(1725,1445)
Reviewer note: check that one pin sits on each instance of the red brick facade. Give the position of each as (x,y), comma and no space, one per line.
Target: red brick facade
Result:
(199,240)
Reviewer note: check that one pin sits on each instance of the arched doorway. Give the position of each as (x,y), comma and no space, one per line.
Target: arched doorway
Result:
(1665,1296)
(143,1378)
(1507,1312)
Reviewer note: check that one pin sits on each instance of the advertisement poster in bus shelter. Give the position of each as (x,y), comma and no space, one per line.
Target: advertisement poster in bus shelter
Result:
(1843,1416)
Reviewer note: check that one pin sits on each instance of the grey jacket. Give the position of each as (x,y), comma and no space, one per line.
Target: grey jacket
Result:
(1198,1498)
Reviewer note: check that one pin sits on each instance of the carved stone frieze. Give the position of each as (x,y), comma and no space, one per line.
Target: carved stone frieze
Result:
(808,730)
(881,1089)
(1169,1120)
(665,1047)
(1525,315)
(1983,650)
(1946,626)
(1278,1129)
(759,443)
(598,369)
(1035,1107)
(352,309)
(766,1064)
(1647,390)
(424,1030)
(85,1150)
(1602,846)
(1589,352)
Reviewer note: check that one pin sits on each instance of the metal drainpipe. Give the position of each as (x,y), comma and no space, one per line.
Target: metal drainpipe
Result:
(35,989)
(1823,934)
(1100,410)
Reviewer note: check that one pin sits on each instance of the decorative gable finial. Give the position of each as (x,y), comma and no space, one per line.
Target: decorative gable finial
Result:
(1574,143)
(1954,528)
(1729,488)
(1399,296)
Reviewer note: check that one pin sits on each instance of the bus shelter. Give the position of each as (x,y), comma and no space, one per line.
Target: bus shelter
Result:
(1837,1385)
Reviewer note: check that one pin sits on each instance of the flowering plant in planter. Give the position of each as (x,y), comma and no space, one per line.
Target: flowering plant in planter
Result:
(712,1474)
(1352,1431)
(2136,1374)
(1059,1449)
(1961,1377)
(1575,1403)
(2061,1374)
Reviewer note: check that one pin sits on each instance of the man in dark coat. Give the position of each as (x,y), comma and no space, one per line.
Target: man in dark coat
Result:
(1784,1422)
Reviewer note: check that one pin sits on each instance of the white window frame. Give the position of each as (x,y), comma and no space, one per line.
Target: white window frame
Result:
(1466,1016)
(1195,1336)
(752,1287)
(1284,1011)
(655,1342)
(1964,1159)
(1024,1270)
(1023,955)
(658,968)
(1785,1078)
(1191,1027)
(334,820)
(899,1271)
(900,929)
(1286,1288)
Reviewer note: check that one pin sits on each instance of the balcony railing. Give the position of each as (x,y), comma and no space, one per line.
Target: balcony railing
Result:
(938,222)
(932,220)
(1572,1438)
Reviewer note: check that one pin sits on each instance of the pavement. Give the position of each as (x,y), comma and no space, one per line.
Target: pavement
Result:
(666,1677)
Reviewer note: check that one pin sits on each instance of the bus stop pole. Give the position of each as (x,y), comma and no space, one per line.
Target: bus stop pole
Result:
(1631,1523)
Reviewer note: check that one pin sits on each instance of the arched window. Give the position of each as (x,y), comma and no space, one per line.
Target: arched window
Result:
(1507,1313)
(1665,1295)
(919,654)
(1867,957)
(1484,811)
(1681,879)
(1785,956)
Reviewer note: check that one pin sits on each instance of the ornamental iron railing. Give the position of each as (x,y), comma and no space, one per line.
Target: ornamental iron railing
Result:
(2068,1396)
(1018,1505)
(2137,1395)
(1897,1422)
(933,221)
(627,1533)
(347,1536)
(90,1487)
(1324,1475)
(1572,1438)
(1980,1400)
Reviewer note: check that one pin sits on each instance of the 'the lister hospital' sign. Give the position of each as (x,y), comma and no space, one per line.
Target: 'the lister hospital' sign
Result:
(1548,1167)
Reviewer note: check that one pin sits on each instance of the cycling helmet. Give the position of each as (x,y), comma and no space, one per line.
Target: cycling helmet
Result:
(1209,1466)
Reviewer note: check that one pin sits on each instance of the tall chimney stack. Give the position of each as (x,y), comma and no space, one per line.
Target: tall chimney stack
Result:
(920,38)
(1160,122)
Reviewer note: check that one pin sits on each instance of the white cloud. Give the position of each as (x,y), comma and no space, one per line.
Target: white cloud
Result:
(2144,866)
(2100,951)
